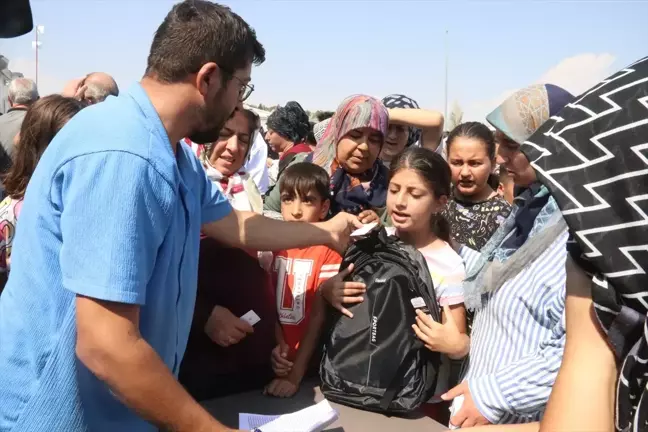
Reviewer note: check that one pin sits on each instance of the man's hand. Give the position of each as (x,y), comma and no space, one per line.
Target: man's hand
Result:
(338,293)
(368,216)
(468,415)
(281,366)
(340,229)
(282,387)
(226,329)
(444,338)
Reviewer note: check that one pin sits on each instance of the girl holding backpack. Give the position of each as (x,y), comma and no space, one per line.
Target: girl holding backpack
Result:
(418,192)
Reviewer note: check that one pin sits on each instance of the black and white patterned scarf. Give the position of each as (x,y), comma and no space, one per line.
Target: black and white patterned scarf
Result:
(402,101)
(593,156)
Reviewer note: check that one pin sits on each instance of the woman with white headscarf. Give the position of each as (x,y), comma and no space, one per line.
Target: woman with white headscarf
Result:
(224,159)
(224,354)
(594,164)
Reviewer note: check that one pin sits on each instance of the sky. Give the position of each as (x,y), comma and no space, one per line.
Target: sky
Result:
(319,52)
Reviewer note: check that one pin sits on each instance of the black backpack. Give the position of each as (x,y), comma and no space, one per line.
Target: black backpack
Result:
(375,361)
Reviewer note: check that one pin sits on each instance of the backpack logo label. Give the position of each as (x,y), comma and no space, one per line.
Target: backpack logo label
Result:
(374,328)
(380,280)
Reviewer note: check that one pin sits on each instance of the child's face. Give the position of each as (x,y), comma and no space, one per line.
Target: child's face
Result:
(411,203)
(312,208)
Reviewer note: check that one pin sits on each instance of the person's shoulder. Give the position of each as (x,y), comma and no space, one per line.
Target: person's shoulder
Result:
(114,124)
(444,253)
(315,253)
(329,259)
(301,157)
(499,201)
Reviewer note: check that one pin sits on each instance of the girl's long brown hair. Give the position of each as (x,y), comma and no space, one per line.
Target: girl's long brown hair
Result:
(43,120)
(436,173)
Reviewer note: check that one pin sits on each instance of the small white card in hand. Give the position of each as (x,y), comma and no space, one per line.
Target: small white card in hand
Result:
(364,230)
(251,318)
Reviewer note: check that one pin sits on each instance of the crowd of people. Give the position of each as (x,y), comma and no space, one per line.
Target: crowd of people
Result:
(140,228)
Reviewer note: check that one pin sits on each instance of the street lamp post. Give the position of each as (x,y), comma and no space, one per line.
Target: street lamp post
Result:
(445,92)
(36,44)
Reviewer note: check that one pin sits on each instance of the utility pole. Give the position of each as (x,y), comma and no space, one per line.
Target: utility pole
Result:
(36,44)
(445,103)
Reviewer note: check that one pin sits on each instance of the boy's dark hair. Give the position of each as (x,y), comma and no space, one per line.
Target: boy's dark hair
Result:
(436,172)
(196,32)
(304,177)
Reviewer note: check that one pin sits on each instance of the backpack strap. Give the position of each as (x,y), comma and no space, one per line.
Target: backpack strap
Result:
(395,383)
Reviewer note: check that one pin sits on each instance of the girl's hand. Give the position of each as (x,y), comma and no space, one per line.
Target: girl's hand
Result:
(338,293)
(368,216)
(444,338)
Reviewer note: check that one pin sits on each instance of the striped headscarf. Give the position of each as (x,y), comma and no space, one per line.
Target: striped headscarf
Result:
(355,112)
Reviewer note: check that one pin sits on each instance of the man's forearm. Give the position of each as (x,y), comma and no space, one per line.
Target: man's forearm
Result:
(252,231)
(587,354)
(140,379)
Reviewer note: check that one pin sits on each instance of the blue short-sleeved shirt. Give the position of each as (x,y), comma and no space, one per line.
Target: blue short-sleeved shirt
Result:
(110,213)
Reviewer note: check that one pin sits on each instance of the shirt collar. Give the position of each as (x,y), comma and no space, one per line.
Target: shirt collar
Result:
(138,94)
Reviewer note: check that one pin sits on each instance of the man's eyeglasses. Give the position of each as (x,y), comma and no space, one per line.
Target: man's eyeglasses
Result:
(246,89)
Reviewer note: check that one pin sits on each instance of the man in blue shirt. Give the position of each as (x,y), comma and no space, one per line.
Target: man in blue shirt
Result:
(95,317)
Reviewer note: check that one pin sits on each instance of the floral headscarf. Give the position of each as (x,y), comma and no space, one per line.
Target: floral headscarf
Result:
(355,112)
(522,113)
(348,193)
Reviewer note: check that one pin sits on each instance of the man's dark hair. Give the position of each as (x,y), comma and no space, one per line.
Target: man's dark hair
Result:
(197,32)
(304,177)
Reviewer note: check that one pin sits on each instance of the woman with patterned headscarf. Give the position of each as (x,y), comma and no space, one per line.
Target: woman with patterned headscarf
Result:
(348,150)
(409,125)
(592,157)
(516,284)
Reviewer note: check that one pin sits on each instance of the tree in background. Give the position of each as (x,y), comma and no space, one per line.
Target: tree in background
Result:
(456,116)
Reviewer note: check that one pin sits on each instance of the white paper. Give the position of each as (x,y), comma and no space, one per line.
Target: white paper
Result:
(312,419)
(251,318)
(454,409)
(252,421)
(364,230)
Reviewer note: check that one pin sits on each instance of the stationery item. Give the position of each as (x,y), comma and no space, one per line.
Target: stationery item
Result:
(315,418)
(454,409)
(251,318)
(364,230)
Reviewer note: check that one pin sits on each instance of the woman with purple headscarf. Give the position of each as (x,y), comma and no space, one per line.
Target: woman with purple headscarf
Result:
(348,150)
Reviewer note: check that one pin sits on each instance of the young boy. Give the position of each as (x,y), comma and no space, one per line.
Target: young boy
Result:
(304,189)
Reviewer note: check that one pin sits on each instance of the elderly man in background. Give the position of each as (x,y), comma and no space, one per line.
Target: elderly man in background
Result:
(92,88)
(22,93)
